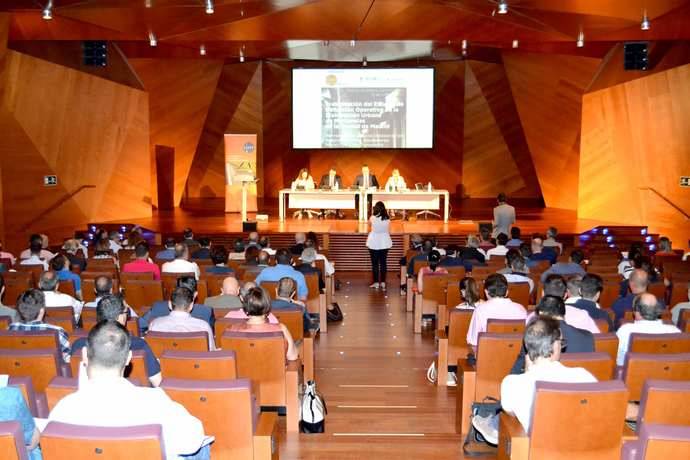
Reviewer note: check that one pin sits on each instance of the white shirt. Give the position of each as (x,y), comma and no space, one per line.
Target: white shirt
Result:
(115,402)
(518,391)
(181,321)
(497,251)
(58,299)
(307,184)
(114,246)
(379,237)
(181,266)
(640,326)
(395,183)
(35,260)
(26,253)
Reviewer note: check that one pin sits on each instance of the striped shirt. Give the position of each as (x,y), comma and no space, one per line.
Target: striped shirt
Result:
(65,346)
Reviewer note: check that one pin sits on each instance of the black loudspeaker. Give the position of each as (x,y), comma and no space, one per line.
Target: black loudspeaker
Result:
(635,56)
(94,53)
(248,226)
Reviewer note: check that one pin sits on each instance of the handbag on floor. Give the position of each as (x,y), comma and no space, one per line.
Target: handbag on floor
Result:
(334,314)
(313,417)
(475,445)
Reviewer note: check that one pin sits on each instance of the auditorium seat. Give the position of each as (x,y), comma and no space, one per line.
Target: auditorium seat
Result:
(316,302)
(169,281)
(452,346)
(261,358)
(640,367)
(270,288)
(609,294)
(89,323)
(77,442)
(505,326)
(453,294)
(59,387)
(187,341)
(575,405)
(214,282)
(5,322)
(39,364)
(600,364)
(27,388)
(664,402)
(138,276)
(428,302)
(496,354)
(29,340)
(141,294)
(12,441)
(67,287)
(251,435)
(60,316)
(659,343)
(659,442)
(519,293)
(602,325)
(16,283)
(199,365)
(88,284)
(293,319)
(607,342)
(223,323)
(136,369)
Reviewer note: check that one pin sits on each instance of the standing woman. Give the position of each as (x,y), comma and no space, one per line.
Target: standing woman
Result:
(379,242)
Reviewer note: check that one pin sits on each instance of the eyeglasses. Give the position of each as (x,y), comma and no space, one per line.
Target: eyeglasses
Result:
(564,343)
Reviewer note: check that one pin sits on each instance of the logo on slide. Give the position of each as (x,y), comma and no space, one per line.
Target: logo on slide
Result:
(248,147)
(331,80)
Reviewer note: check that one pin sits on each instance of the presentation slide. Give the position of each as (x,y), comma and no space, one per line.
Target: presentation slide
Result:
(363,108)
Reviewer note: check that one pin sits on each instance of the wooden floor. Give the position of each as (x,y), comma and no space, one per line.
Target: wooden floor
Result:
(371,370)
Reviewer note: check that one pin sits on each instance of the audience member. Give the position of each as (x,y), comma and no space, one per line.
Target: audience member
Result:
(637,284)
(219,257)
(515,238)
(485,241)
(282,269)
(113,308)
(257,307)
(539,252)
(13,408)
(555,285)
(36,247)
(469,294)
(7,311)
(229,296)
(423,256)
(627,265)
(665,247)
(472,254)
(133,238)
(237,250)
(251,260)
(114,241)
(169,252)
(180,318)
(498,306)
(142,263)
(308,266)
(451,259)
(298,247)
(676,311)
(572,267)
(550,241)
(61,266)
(285,299)
(590,287)
(163,307)
(500,249)
(35,253)
(516,270)
(110,400)
(31,307)
(7,255)
(103,286)
(72,249)
(181,264)
(432,269)
(103,251)
(574,340)
(328,266)
(647,311)
(253,240)
(265,243)
(504,216)
(204,251)
(188,237)
(49,284)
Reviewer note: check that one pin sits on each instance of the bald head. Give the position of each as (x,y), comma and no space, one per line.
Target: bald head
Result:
(647,307)
(230,286)
(639,280)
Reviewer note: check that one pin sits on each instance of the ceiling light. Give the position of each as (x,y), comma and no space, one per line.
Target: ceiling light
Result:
(148,3)
(364,62)
(202,50)
(503,7)
(516,43)
(644,25)
(152,39)
(209,7)
(581,39)
(464,47)
(48,11)
(241,56)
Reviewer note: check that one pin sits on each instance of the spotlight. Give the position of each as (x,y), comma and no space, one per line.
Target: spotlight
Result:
(209,7)
(605,231)
(648,239)
(152,39)
(644,25)
(48,11)
(516,43)
(241,56)
(609,239)
(464,47)
(148,3)
(581,39)
(352,43)
(643,231)
(364,62)
(652,247)
(202,50)
(503,7)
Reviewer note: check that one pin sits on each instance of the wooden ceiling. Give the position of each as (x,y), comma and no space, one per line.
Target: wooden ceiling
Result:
(323,29)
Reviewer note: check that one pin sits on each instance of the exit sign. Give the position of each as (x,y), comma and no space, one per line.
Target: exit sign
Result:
(685,181)
(49,181)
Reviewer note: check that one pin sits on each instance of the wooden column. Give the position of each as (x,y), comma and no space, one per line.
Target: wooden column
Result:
(165,177)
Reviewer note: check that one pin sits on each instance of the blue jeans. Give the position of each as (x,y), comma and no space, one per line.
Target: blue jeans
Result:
(203,454)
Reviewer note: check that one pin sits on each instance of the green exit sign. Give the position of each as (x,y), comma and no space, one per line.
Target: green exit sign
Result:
(685,181)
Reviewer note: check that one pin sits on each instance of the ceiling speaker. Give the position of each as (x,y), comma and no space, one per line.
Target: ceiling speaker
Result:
(635,56)
(94,53)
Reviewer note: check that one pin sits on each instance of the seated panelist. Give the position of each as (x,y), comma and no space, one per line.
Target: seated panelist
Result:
(396,182)
(304,181)
(331,180)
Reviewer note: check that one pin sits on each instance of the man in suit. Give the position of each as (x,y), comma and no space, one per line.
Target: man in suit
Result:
(164,307)
(504,216)
(331,181)
(364,181)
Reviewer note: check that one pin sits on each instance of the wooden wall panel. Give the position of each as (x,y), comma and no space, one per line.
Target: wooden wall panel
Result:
(547,90)
(4,30)
(180,93)
(636,135)
(88,131)
(488,167)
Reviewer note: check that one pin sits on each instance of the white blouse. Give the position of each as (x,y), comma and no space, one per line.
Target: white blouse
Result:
(379,237)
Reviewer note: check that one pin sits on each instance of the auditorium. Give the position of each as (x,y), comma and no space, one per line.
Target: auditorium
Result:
(343,230)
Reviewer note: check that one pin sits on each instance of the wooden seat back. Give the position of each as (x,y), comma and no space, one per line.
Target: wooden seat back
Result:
(60,316)
(27,388)
(214,283)
(609,294)
(640,367)
(505,326)
(418,264)
(601,404)
(679,290)
(15,284)
(67,287)
(29,340)
(138,276)
(199,365)
(600,364)
(270,287)
(607,343)
(59,387)
(435,288)
(664,402)
(186,341)
(496,354)
(661,442)
(261,358)
(169,281)
(602,325)
(132,325)
(136,368)
(39,364)
(453,295)
(659,343)
(212,402)
(88,285)
(519,293)
(140,294)
(223,323)
(293,319)
(61,440)
(12,441)
(458,325)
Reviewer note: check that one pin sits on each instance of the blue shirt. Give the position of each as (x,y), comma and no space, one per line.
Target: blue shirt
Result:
(13,407)
(514,243)
(66,275)
(219,269)
(281,271)
(166,254)
(153,367)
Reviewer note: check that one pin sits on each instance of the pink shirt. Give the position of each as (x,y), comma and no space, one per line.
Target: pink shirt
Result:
(143,266)
(576,317)
(239,314)
(426,271)
(496,308)
(181,321)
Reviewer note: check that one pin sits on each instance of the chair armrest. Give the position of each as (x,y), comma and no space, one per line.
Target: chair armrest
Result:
(266,436)
(292,379)
(442,360)
(628,433)
(513,442)
(410,295)
(467,383)
(308,356)
(323,314)
(417,321)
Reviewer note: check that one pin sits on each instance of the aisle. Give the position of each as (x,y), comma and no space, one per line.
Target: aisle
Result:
(371,369)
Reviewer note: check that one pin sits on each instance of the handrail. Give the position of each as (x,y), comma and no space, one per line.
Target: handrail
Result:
(671,203)
(54,206)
